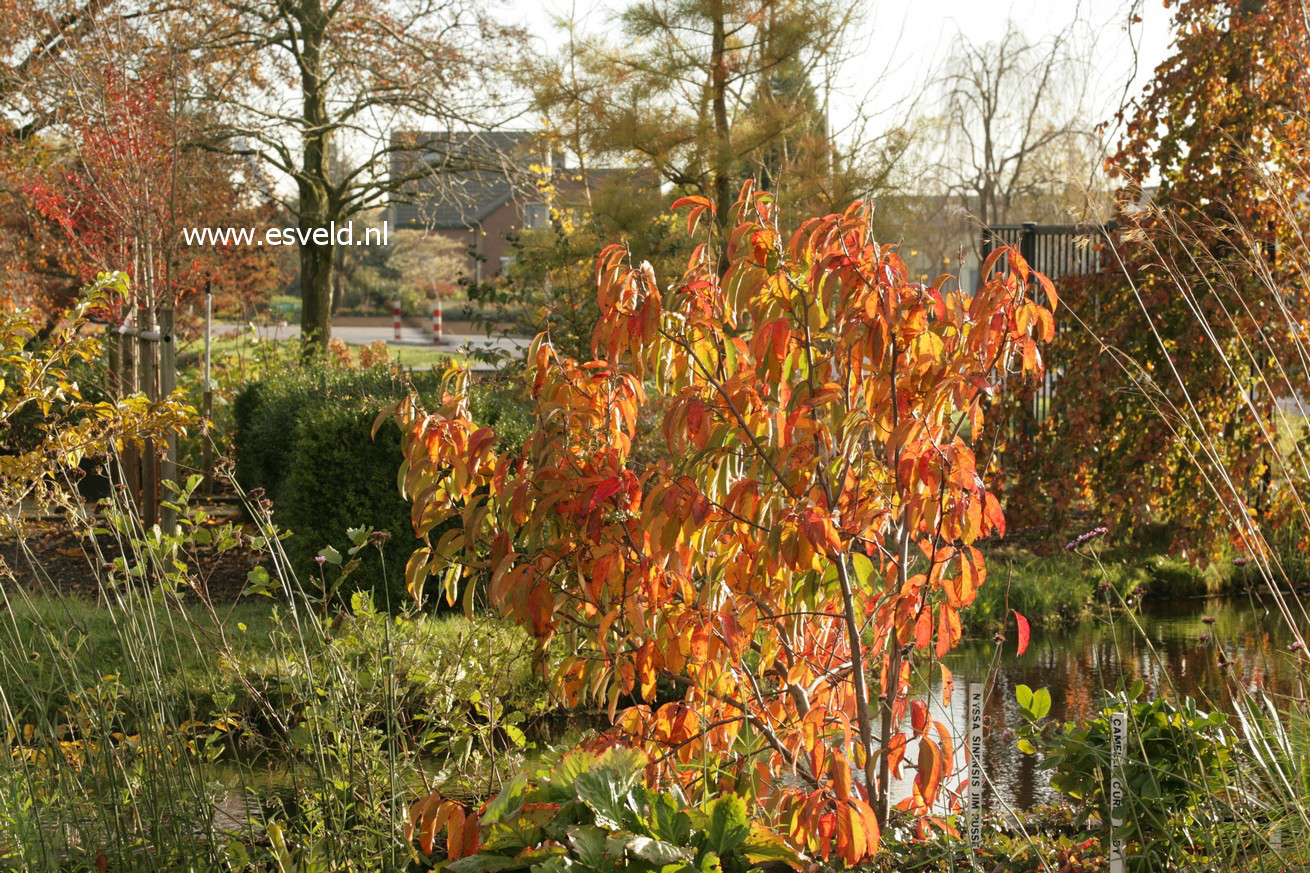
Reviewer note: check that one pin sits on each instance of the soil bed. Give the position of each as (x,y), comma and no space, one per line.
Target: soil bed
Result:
(55,559)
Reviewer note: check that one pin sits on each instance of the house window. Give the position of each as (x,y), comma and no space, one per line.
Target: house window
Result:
(536,216)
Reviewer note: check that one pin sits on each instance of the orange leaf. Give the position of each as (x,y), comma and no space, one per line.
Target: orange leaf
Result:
(455,834)
(992,511)
(692,200)
(470,835)
(948,629)
(851,842)
(817,528)
(930,770)
(840,768)
(1051,297)
(896,753)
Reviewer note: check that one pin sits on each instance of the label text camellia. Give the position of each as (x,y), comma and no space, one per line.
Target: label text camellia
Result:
(760,596)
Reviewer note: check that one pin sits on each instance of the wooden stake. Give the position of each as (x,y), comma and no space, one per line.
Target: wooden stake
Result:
(167,384)
(207,398)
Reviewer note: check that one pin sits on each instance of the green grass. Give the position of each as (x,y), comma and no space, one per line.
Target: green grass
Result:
(51,646)
(1061,588)
(413,357)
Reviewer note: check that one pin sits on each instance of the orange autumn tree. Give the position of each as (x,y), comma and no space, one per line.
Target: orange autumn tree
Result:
(803,545)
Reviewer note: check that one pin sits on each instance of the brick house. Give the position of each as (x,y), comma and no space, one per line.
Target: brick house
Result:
(489,193)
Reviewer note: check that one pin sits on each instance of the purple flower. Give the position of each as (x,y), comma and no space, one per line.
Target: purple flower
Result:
(320,559)
(378,537)
(1204,638)
(1241,560)
(1083,539)
(1207,619)
(1297,646)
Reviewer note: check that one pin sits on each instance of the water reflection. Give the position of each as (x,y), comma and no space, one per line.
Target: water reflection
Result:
(1197,648)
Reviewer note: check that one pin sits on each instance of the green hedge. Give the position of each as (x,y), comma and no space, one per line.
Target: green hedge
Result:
(304,437)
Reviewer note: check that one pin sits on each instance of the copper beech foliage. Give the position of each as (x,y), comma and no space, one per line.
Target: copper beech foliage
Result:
(804,545)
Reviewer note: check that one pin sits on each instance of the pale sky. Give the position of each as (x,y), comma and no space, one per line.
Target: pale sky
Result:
(901,43)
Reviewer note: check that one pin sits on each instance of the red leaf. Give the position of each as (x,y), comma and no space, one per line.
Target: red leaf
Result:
(604,491)
(1024,631)
(918,715)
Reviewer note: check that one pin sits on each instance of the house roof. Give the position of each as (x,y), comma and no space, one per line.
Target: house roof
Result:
(455,180)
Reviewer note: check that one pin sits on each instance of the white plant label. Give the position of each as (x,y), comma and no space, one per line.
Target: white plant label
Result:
(975,691)
(1118,746)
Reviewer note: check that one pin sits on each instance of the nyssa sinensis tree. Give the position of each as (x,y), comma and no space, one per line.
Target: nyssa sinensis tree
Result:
(804,546)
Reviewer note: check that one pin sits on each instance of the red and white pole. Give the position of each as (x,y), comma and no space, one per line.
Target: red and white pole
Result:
(395,317)
(436,321)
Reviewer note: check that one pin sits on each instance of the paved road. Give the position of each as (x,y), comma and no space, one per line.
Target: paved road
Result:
(409,336)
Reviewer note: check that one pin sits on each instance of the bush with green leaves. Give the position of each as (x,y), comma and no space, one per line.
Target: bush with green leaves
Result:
(305,436)
(1175,774)
(594,812)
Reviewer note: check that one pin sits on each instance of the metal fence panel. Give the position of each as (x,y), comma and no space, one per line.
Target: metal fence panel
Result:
(1058,251)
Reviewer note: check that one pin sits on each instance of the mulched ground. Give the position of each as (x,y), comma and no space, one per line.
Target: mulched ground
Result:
(54,557)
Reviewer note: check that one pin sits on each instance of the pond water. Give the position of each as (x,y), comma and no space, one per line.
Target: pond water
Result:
(1170,646)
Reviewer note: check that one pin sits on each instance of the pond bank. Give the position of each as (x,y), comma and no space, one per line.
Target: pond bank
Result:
(1060,590)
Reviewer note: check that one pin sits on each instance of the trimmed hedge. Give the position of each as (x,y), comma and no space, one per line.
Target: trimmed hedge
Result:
(304,437)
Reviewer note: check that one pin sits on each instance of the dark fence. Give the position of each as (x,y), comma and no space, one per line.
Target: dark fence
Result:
(1058,251)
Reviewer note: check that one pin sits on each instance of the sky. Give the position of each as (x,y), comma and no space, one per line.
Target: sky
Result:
(901,42)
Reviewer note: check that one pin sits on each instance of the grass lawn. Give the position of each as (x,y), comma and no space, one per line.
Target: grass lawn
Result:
(54,648)
(154,661)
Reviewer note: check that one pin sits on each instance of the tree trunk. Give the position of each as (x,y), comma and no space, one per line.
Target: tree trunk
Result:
(719,104)
(316,269)
(316,209)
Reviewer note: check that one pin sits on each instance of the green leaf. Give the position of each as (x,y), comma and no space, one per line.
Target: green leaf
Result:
(668,822)
(655,851)
(1024,695)
(728,824)
(361,603)
(570,767)
(764,845)
(482,863)
(609,788)
(1041,703)
(863,569)
(588,841)
(331,555)
(511,796)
